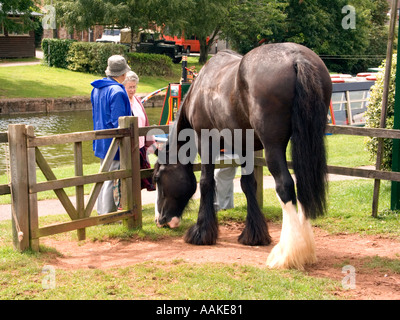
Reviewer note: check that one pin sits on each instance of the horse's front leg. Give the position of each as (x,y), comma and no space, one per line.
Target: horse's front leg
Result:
(205,231)
(256,229)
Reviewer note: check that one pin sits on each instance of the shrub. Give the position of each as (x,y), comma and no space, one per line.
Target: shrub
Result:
(55,52)
(150,64)
(373,114)
(91,57)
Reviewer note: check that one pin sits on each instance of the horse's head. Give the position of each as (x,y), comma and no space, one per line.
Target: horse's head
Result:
(176,184)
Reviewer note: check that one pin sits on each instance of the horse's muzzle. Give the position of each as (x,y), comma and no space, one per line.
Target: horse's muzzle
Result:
(173,223)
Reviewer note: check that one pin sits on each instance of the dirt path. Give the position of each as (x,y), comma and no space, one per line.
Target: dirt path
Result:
(333,252)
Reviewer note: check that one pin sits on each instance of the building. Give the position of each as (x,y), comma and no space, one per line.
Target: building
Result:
(17,44)
(89,35)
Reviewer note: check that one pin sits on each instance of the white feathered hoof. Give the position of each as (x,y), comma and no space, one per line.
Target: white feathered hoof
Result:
(296,247)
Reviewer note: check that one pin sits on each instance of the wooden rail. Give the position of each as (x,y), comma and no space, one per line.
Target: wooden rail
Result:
(25,155)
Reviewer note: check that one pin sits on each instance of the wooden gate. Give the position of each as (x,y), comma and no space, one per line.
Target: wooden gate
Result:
(25,154)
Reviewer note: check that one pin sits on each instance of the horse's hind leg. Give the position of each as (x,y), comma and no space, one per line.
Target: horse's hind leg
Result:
(296,245)
(205,231)
(256,229)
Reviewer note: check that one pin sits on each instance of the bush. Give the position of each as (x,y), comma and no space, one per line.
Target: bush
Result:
(373,114)
(55,52)
(91,57)
(150,64)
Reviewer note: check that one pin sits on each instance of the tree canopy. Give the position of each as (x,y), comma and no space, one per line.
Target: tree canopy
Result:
(321,25)
(252,22)
(20,8)
(349,34)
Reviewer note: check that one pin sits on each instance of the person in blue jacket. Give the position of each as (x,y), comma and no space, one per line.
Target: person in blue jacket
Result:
(109,102)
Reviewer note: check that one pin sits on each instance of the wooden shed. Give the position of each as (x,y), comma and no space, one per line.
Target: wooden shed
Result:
(17,44)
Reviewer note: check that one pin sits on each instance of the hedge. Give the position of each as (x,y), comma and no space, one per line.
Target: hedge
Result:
(373,114)
(150,64)
(55,52)
(91,57)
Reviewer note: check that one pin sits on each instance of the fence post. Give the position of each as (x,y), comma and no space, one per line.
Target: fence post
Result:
(79,190)
(33,205)
(131,196)
(19,185)
(395,190)
(388,68)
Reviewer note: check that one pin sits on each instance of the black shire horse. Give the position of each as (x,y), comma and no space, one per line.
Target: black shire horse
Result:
(281,92)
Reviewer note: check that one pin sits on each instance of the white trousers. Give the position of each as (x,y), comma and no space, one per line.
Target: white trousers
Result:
(105,201)
(224,188)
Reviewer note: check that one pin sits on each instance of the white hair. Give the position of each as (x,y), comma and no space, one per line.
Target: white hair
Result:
(131,76)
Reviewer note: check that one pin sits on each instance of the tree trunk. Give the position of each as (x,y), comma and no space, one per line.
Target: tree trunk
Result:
(204,48)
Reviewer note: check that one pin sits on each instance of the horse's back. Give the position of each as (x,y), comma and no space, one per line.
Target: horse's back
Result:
(250,91)
(275,67)
(209,101)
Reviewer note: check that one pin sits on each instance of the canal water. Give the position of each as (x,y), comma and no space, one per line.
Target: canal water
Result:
(57,123)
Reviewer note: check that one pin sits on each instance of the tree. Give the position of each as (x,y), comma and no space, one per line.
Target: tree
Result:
(204,19)
(320,26)
(134,14)
(20,8)
(373,114)
(250,22)
(200,18)
(83,14)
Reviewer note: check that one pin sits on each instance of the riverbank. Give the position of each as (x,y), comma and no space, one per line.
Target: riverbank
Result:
(48,105)
(31,87)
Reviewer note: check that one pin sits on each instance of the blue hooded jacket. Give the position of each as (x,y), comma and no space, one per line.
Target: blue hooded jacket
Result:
(109,102)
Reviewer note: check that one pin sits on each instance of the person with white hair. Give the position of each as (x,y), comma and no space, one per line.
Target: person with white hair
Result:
(109,102)
(131,82)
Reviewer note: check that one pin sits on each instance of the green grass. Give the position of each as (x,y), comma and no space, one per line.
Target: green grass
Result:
(157,280)
(383,264)
(12,60)
(61,173)
(40,81)
(21,274)
(348,212)
(347,151)
(350,207)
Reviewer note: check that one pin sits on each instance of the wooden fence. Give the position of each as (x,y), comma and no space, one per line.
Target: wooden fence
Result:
(346,171)
(25,155)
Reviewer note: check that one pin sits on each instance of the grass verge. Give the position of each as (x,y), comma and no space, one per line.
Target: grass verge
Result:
(41,81)
(349,211)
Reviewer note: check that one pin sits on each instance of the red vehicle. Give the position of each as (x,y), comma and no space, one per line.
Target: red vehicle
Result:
(189,45)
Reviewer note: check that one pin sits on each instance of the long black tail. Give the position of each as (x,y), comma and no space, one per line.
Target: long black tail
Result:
(308,146)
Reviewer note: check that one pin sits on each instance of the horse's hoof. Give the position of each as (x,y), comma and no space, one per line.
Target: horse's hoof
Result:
(254,242)
(248,238)
(201,236)
(282,257)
